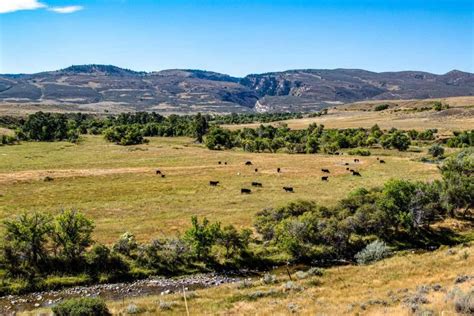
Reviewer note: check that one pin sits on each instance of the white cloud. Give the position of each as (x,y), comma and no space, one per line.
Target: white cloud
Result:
(7,6)
(67,9)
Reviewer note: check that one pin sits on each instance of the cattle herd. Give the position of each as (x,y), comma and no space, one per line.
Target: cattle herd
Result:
(279,170)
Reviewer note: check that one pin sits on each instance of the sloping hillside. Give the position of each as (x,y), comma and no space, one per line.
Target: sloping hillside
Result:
(99,87)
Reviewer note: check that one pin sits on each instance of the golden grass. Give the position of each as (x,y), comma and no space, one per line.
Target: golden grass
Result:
(459,117)
(377,289)
(117,187)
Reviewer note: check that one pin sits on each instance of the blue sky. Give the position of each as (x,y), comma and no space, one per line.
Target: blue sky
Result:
(237,37)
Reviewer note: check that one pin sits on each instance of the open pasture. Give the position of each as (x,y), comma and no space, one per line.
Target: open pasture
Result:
(119,189)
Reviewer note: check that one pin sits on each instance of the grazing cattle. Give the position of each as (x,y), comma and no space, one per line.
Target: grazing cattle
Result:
(213,183)
(347,168)
(382,161)
(351,170)
(248,163)
(346,164)
(257,184)
(288,189)
(326,178)
(336,153)
(377,158)
(245,191)
(356,173)
(163,176)
(225,163)
(278,170)
(356,160)
(219,162)
(325,170)
(256,170)
(158,172)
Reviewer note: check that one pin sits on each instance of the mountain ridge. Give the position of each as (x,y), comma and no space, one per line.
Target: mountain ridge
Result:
(97,86)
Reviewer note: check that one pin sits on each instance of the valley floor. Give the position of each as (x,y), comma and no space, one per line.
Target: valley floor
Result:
(117,186)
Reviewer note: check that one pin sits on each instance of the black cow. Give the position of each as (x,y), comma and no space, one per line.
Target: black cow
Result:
(158,172)
(382,161)
(377,158)
(326,178)
(288,189)
(219,162)
(225,163)
(257,184)
(245,191)
(163,176)
(356,160)
(248,163)
(347,168)
(213,183)
(325,170)
(346,164)
(356,173)
(351,170)
(336,153)
(278,170)
(256,170)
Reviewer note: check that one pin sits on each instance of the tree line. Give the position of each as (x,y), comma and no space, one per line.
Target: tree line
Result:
(38,250)
(133,128)
(311,140)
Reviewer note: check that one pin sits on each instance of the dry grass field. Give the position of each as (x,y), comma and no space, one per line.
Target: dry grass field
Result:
(117,186)
(401,114)
(378,289)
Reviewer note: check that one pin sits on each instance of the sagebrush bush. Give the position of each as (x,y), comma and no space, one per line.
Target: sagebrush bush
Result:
(375,251)
(464,303)
(81,307)
(269,278)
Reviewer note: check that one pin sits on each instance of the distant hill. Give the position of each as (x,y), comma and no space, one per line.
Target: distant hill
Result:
(101,87)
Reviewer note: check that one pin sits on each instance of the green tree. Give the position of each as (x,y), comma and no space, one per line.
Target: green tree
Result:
(72,234)
(200,127)
(219,138)
(24,247)
(458,181)
(202,236)
(233,241)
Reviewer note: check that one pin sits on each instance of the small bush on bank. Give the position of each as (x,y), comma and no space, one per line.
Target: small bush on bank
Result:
(374,251)
(82,307)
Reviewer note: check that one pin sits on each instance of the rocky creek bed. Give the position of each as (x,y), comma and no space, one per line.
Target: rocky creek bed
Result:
(11,304)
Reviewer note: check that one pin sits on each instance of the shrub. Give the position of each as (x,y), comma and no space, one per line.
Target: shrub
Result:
(373,252)
(436,151)
(134,309)
(269,278)
(315,271)
(259,294)
(292,286)
(381,107)
(359,152)
(126,244)
(464,303)
(166,306)
(8,140)
(81,307)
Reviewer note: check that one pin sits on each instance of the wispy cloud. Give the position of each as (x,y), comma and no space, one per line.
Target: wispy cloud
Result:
(67,9)
(7,6)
